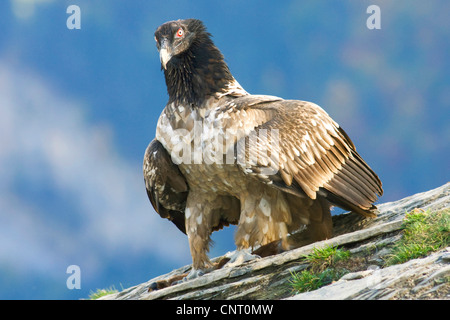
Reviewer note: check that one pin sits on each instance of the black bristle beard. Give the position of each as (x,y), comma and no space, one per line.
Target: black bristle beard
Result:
(197,73)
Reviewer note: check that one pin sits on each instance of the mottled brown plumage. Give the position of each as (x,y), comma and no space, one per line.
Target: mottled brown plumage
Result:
(223,156)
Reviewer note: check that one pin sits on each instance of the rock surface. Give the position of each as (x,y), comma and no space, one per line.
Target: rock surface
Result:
(268,278)
(425,278)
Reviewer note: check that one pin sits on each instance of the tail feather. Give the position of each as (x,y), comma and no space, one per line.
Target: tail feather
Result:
(355,187)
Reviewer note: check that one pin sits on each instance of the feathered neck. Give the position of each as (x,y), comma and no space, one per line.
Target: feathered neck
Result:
(197,73)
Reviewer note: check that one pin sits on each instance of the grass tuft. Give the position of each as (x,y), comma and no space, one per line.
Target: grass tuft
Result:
(102,292)
(423,232)
(322,271)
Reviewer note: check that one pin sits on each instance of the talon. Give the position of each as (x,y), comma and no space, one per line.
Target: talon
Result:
(240,257)
(194,274)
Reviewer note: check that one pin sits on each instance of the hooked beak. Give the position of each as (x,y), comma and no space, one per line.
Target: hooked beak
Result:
(165,53)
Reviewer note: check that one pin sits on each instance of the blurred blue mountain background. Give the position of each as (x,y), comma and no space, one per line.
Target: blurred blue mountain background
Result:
(78,108)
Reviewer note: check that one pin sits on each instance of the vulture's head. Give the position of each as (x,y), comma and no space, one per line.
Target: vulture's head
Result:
(177,38)
(194,68)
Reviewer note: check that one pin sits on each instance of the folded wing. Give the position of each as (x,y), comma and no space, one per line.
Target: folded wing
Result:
(166,186)
(301,150)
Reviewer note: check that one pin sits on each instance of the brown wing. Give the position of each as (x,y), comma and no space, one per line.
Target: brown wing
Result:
(301,150)
(166,186)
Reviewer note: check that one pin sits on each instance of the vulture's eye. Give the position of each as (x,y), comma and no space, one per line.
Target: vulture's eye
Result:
(180,33)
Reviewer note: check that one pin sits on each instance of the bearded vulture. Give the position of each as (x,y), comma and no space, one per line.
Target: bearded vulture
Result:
(223,156)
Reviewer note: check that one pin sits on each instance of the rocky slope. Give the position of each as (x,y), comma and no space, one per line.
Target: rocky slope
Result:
(367,240)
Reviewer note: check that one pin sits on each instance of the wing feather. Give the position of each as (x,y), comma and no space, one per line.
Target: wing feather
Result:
(316,156)
(166,186)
